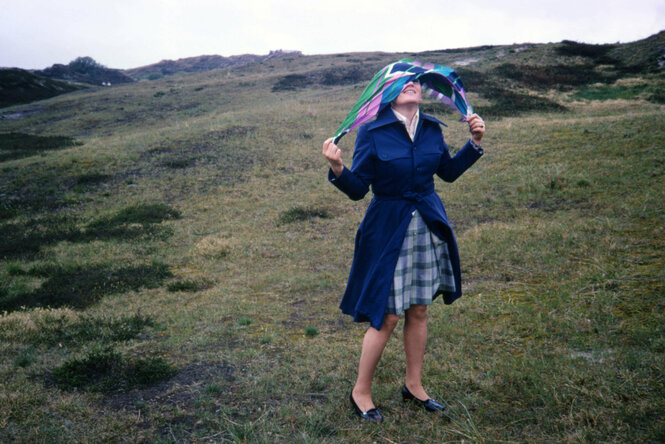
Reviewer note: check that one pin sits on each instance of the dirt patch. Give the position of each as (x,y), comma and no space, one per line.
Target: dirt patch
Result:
(182,390)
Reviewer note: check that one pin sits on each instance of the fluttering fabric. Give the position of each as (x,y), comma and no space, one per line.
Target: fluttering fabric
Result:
(423,268)
(439,82)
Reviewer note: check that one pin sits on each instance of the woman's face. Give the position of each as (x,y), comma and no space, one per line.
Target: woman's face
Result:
(411,93)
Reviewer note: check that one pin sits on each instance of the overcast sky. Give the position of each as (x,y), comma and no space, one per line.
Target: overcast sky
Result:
(35,34)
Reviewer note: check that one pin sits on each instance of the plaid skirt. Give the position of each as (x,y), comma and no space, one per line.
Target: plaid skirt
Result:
(423,270)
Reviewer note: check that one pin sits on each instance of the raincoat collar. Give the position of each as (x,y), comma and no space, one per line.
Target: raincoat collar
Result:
(387,117)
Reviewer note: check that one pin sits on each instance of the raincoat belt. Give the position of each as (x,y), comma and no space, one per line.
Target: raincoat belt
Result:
(409,195)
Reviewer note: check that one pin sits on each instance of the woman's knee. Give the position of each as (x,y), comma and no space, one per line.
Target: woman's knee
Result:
(390,322)
(416,313)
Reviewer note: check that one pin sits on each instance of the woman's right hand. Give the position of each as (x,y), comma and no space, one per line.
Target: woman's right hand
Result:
(334,156)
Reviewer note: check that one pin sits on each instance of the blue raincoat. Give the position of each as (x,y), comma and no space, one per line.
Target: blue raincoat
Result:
(400,172)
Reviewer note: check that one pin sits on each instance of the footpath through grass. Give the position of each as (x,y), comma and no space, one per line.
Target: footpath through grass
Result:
(189,292)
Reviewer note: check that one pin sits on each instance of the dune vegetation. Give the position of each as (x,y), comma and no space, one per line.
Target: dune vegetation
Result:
(172,257)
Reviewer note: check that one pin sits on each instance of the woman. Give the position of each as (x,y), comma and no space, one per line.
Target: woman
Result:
(405,251)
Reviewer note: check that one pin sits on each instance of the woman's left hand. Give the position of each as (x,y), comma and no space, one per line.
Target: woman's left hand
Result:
(477,128)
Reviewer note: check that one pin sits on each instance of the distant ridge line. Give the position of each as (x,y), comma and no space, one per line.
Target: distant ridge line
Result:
(203,63)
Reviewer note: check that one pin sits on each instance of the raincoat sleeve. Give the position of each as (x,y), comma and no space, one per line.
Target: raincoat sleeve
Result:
(356,181)
(450,168)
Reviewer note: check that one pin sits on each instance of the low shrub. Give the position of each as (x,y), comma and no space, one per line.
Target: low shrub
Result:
(657,95)
(138,214)
(16,145)
(561,77)
(25,358)
(91,178)
(213,389)
(291,82)
(311,331)
(188,285)
(609,92)
(507,103)
(301,213)
(24,239)
(599,53)
(179,163)
(245,321)
(15,269)
(105,370)
(9,208)
(79,286)
(348,75)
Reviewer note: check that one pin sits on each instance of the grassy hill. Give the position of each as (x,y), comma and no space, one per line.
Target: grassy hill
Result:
(20,86)
(172,257)
(200,63)
(87,71)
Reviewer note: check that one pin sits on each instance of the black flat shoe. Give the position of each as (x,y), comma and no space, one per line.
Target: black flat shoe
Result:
(371,415)
(429,404)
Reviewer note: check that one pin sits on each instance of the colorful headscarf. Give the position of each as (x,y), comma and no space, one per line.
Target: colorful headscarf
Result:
(439,82)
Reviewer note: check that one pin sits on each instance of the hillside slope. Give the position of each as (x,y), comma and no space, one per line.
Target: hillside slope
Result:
(21,86)
(201,63)
(85,70)
(172,258)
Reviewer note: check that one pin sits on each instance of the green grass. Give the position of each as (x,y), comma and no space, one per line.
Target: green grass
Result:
(50,328)
(608,92)
(117,267)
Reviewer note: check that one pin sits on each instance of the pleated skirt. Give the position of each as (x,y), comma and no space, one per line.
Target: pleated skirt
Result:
(423,270)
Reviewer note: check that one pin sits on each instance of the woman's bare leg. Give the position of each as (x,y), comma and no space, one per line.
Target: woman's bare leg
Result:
(415,340)
(373,344)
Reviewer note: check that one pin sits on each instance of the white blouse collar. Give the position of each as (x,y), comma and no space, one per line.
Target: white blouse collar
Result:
(410,126)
